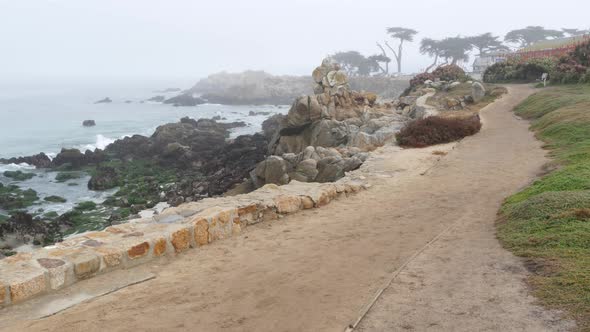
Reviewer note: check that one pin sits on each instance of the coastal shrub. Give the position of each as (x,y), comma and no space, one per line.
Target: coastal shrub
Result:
(421,78)
(574,67)
(516,70)
(450,73)
(437,130)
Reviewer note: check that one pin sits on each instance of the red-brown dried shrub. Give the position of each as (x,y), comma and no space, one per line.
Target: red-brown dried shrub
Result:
(421,78)
(450,73)
(437,130)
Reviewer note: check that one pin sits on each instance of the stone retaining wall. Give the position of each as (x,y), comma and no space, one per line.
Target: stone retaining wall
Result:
(175,230)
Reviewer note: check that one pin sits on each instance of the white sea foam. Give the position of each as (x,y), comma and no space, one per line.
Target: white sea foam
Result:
(16,167)
(100,143)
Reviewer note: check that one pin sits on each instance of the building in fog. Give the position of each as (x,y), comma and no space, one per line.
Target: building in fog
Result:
(482,62)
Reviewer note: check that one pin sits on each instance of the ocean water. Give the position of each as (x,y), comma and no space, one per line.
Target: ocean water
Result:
(47,116)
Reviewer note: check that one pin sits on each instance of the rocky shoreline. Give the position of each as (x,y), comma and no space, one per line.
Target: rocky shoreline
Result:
(323,136)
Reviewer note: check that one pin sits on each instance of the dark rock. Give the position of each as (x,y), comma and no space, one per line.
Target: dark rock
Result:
(174,150)
(39,160)
(272,170)
(88,123)
(167,90)
(157,99)
(66,176)
(104,178)
(330,169)
(105,100)
(235,124)
(25,227)
(55,199)
(202,137)
(175,200)
(468,99)
(271,126)
(70,157)
(136,146)
(184,100)
(233,163)
(252,113)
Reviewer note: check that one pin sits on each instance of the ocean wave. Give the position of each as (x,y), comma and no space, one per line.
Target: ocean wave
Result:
(16,167)
(100,143)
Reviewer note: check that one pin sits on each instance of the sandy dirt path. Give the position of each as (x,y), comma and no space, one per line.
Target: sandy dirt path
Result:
(316,270)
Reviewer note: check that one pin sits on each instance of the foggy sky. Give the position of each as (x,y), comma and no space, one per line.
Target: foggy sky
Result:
(186,39)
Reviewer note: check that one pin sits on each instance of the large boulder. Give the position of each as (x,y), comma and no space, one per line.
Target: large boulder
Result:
(136,146)
(104,178)
(73,158)
(478,91)
(271,170)
(333,116)
(304,111)
(174,150)
(201,137)
(306,171)
(330,169)
(272,125)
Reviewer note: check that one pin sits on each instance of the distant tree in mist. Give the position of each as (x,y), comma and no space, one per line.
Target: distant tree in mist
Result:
(575,32)
(432,48)
(352,62)
(356,64)
(401,35)
(486,43)
(455,49)
(530,35)
(380,62)
(383,57)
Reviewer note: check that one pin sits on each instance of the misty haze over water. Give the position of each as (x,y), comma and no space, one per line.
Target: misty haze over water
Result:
(191,39)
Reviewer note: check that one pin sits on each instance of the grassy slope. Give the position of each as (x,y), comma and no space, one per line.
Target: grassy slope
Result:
(549,222)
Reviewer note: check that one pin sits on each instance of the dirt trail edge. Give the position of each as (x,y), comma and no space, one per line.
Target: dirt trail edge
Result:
(465,280)
(314,271)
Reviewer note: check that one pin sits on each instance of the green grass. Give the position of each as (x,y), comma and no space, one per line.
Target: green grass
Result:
(549,221)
